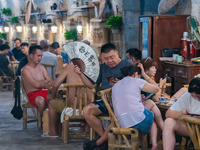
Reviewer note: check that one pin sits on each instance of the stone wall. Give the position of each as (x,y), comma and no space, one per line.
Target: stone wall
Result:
(130,10)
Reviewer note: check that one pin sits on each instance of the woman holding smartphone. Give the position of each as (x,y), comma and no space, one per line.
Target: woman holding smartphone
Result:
(127,102)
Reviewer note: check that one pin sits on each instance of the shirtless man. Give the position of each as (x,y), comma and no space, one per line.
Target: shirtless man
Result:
(72,74)
(36,79)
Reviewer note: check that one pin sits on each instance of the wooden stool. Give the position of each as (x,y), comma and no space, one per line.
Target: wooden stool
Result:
(36,115)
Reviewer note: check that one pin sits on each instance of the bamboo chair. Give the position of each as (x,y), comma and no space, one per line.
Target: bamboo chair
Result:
(193,127)
(14,65)
(35,115)
(118,137)
(80,100)
(6,81)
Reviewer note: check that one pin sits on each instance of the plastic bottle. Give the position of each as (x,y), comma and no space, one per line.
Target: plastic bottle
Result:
(184,45)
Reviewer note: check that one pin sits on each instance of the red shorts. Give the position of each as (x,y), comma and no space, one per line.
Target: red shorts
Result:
(34,94)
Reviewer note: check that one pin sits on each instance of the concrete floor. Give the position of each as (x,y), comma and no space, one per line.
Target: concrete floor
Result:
(13,137)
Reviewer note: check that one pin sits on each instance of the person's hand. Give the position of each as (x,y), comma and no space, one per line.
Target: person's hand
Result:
(142,69)
(186,111)
(162,82)
(77,70)
(113,81)
(44,83)
(49,97)
(142,96)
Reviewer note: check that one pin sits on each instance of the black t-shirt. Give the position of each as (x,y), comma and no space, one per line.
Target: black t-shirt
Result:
(106,71)
(18,54)
(4,66)
(22,63)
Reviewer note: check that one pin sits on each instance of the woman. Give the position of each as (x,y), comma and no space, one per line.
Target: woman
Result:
(127,101)
(150,69)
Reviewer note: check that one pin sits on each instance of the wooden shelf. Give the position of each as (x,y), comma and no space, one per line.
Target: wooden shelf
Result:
(40,13)
(86,6)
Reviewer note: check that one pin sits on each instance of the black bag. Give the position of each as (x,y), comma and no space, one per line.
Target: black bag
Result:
(17,111)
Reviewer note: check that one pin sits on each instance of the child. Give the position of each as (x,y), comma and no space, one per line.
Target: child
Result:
(127,101)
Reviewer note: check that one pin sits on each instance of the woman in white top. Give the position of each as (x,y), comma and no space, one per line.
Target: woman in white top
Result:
(127,101)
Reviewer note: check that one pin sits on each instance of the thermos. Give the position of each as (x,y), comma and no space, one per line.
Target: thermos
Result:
(184,45)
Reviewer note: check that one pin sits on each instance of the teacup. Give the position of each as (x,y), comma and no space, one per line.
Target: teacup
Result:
(162,99)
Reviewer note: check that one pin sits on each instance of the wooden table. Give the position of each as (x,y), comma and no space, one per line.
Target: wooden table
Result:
(163,106)
(181,73)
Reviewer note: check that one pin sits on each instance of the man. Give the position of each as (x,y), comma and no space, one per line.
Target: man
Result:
(134,55)
(110,68)
(73,75)
(5,66)
(56,50)
(17,51)
(24,60)
(35,79)
(189,102)
(48,57)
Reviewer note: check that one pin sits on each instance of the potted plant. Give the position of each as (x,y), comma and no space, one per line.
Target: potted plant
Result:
(71,34)
(3,36)
(14,20)
(114,23)
(6,11)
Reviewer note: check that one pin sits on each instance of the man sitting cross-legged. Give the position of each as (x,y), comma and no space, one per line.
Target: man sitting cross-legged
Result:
(109,72)
(36,79)
(72,74)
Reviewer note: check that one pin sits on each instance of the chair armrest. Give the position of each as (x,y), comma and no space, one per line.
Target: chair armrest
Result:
(190,119)
(124,131)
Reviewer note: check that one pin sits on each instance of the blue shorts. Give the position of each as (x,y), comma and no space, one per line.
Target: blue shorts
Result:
(145,125)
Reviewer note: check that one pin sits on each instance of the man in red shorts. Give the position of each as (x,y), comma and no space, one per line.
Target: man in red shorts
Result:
(36,79)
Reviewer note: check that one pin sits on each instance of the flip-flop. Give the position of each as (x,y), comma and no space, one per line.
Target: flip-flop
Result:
(46,134)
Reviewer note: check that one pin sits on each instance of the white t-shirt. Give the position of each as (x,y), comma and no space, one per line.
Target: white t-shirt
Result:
(127,102)
(186,101)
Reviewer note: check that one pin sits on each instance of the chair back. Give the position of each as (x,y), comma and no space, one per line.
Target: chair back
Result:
(107,99)
(23,89)
(106,95)
(14,65)
(77,97)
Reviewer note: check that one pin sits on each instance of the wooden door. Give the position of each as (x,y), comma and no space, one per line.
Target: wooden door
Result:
(167,33)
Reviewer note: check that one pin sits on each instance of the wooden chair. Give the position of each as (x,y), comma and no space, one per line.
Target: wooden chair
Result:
(14,65)
(118,137)
(34,116)
(80,100)
(7,82)
(193,127)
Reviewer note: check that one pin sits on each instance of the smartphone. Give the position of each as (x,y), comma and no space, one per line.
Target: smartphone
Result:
(148,96)
(110,78)
(193,114)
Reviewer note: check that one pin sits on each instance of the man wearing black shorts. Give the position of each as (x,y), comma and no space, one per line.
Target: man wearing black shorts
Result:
(109,72)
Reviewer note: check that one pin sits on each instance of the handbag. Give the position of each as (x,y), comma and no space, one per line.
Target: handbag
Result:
(17,111)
